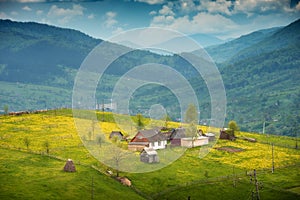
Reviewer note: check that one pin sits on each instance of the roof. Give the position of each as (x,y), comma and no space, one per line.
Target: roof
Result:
(149,133)
(115,133)
(178,133)
(138,143)
(149,151)
(210,134)
(152,135)
(157,137)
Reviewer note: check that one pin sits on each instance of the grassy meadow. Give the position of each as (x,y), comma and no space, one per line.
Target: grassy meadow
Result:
(29,172)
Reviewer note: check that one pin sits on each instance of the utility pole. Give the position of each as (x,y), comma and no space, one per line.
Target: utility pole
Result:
(234,177)
(255,194)
(256,185)
(273,158)
(102,110)
(264,126)
(92,190)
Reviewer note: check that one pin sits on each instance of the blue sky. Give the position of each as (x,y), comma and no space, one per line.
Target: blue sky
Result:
(104,18)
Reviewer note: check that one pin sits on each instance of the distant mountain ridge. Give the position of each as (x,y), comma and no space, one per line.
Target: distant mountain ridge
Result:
(28,49)
(206,40)
(224,52)
(286,37)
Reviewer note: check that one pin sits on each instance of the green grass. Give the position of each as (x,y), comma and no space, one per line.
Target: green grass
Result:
(27,174)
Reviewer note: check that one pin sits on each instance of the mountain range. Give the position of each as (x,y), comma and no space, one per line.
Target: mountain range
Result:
(38,64)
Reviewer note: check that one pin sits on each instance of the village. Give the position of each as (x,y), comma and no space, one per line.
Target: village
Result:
(149,141)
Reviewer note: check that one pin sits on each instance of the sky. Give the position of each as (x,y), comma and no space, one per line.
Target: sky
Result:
(102,19)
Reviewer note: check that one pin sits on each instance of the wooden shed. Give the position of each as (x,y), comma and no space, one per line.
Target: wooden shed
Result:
(149,155)
(227,134)
(117,134)
(211,136)
(176,136)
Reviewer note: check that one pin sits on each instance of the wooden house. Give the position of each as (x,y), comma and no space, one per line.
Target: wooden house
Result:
(147,138)
(194,142)
(149,155)
(117,134)
(177,134)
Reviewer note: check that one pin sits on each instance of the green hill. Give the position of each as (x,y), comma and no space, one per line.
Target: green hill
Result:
(38,64)
(262,83)
(31,173)
(224,52)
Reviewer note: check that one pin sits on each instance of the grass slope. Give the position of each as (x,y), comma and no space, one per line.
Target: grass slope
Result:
(30,173)
(29,176)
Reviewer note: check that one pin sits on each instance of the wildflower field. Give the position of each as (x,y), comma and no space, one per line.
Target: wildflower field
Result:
(34,148)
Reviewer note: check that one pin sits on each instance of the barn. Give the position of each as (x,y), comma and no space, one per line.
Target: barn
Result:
(176,136)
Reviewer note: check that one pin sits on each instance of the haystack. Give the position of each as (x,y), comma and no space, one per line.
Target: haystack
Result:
(69,166)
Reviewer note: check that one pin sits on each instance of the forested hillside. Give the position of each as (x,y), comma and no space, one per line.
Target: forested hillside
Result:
(38,64)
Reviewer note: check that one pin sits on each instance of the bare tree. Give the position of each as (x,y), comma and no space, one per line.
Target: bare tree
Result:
(99,140)
(5,108)
(47,146)
(94,122)
(27,142)
(117,155)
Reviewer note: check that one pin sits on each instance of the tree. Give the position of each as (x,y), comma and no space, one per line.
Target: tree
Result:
(94,122)
(167,119)
(140,124)
(47,146)
(191,114)
(191,117)
(99,140)
(27,142)
(232,125)
(206,174)
(5,108)
(117,155)
(90,135)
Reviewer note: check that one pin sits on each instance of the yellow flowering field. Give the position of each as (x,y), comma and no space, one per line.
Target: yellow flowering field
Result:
(253,155)
(60,132)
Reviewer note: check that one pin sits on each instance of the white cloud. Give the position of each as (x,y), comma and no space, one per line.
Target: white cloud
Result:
(166,11)
(3,15)
(110,20)
(186,6)
(218,6)
(39,12)
(261,6)
(162,20)
(65,15)
(27,8)
(200,23)
(152,2)
(91,16)
(14,13)
(117,30)
(153,12)
(31,1)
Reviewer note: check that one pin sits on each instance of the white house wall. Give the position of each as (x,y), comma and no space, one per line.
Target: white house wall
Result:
(155,145)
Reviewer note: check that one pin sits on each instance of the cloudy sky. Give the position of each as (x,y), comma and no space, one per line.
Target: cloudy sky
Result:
(102,19)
